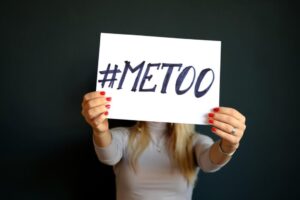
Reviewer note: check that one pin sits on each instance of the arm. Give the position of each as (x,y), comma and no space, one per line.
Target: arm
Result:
(95,107)
(229,125)
(102,139)
(207,154)
(114,151)
(95,110)
(219,156)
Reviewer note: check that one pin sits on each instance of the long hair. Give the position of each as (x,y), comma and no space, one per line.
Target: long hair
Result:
(179,146)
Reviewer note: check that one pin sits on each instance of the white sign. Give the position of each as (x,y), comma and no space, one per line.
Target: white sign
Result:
(159,79)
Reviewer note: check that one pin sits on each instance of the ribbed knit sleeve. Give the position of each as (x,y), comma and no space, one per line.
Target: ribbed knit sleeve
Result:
(202,145)
(114,152)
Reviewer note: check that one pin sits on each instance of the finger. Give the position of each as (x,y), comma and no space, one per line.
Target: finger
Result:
(233,122)
(95,102)
(100,121)
(102,127)
(225,136)
(224,127)
(96,111)
(92,95)
(230,111)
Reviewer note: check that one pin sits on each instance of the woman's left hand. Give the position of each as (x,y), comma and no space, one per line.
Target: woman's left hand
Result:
(229,125)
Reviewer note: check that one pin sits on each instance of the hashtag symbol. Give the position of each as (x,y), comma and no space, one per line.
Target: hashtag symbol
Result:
(112,79)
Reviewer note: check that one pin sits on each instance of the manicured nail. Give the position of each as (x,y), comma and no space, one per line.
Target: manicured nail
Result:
(107,106)
(108,99)
(106,113)
(213,129)
(102,93)
(211,114)
(211,121)
(216,109)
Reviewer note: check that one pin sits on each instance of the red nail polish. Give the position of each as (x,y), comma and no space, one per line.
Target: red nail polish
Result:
(211,114)
(216,109)
(102,93)
(211,121)
(106,113)
(107,106)
(213,129)
(108,99)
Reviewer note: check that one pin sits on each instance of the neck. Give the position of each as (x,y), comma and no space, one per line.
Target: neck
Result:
(157,127)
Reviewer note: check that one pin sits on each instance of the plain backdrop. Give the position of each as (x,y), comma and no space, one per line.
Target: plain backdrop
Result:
(49,55)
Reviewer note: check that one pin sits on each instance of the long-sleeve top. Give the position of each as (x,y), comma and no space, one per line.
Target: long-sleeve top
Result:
(156,176)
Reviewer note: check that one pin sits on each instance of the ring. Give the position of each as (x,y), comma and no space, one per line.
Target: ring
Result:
(233,131)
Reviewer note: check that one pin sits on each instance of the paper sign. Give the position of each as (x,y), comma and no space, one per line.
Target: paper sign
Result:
(159,79)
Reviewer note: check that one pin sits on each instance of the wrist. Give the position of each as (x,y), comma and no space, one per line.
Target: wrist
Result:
(98,133)
(102,139)
(227,150)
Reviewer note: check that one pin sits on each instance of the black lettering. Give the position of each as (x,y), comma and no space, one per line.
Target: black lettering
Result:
(199,80)
(148,77)
(138,68)
(181,78)
(168,74)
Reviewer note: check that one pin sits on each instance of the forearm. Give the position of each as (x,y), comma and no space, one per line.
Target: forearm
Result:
(219,157)
(109,145)
(102,139)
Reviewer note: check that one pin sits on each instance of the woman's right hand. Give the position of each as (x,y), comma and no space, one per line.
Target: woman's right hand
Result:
(95,107)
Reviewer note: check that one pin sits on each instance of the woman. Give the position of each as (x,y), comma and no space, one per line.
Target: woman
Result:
(155,160)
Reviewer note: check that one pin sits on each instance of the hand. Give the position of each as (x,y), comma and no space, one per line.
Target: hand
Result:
(229,124)
(95,107)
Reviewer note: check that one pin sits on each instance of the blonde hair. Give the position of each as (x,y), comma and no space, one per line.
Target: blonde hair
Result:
(179,144)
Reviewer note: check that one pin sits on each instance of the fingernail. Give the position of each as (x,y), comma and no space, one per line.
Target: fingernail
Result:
(213,129)
(107,106)
(211,121)
(216,109)
(106,113)
(102,93)
(211,114)
(108,99)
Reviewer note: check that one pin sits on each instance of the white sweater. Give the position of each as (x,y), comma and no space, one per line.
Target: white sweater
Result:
(156,177)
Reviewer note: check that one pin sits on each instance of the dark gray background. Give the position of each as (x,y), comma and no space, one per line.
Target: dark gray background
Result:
(49,55)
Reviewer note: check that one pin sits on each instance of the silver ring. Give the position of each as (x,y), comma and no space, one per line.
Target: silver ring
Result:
(233,131)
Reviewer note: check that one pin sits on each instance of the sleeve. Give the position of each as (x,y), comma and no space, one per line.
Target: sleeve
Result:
(202,145)
(113,153)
